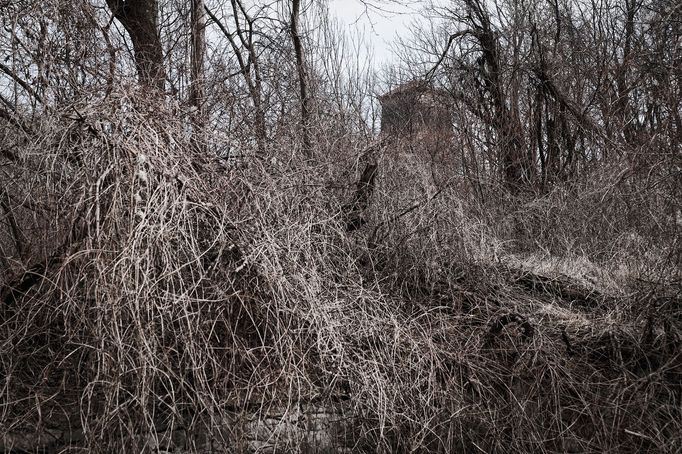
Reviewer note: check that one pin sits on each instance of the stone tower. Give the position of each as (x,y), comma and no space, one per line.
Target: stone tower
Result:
(416,111)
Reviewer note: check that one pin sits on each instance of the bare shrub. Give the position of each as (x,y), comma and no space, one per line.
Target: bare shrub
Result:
(177,301)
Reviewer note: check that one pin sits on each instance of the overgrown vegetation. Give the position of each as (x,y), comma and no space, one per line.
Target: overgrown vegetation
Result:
(158,294)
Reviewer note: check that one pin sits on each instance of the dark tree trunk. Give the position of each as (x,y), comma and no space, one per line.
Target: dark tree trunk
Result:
(355,210)
(198,45)
(302,78)
(198,38)
(139,18)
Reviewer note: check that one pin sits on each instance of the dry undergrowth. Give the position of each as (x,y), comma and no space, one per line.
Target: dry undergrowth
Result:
(150,288)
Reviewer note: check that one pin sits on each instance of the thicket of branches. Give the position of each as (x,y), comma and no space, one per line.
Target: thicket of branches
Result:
(200,228)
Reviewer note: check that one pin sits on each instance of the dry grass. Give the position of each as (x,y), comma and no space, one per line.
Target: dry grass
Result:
(177,293)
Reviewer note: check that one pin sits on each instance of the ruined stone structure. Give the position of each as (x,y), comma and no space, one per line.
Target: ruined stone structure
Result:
(416,111)
(417,121)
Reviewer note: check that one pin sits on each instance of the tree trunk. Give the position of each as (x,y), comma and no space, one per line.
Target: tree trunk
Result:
(623,106)
(197,63)
(139,18)
(196,94)
(355,211)
(302,78)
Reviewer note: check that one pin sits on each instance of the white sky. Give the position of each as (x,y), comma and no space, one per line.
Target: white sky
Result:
(380,26)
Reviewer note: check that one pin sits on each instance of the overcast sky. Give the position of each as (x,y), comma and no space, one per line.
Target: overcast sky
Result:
(380,27)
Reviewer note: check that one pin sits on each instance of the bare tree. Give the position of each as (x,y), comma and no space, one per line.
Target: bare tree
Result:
(302,76)
(493,98)
(197,61)
(243,45)
(198,47)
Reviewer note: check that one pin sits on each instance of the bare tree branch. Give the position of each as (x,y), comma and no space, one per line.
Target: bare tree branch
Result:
(21,82)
